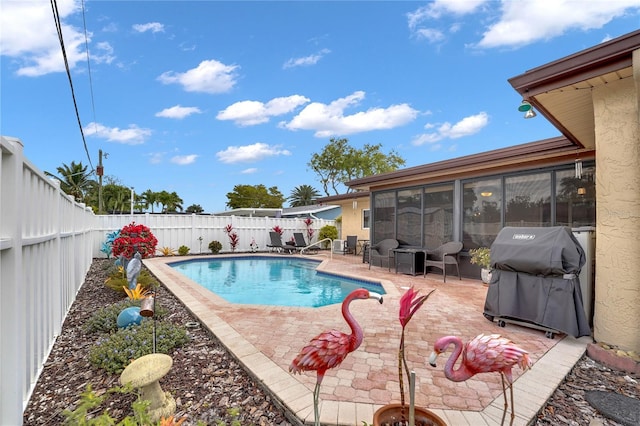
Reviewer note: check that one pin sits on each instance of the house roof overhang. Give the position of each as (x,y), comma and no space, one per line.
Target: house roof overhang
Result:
(561,90)
(531,155)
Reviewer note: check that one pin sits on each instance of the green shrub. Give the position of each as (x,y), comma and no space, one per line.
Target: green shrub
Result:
(115,351)
(117,280)
(327,231)
(183,250)
(104,320)
(89,400)
(215,246)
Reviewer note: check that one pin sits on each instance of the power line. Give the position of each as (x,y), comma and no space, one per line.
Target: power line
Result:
(56,18)
(86,46)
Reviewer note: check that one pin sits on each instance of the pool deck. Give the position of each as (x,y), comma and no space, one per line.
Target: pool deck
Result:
(266,339)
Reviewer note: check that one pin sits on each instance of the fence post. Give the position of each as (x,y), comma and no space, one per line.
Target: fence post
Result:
(12,326)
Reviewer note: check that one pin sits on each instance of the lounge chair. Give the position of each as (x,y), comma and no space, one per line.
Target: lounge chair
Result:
(446,254)
(276,243)
(383,252)
(302,244)
(351,244)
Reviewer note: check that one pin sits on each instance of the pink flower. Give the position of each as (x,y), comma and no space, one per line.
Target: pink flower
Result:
(409,305)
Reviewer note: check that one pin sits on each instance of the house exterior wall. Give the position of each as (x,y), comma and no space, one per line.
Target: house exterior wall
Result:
(617,282)
(352,218)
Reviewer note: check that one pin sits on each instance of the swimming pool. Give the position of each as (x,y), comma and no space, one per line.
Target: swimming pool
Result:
(262,280)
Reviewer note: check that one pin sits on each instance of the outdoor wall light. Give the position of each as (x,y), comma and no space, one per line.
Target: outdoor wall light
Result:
(525,106)
(530,114)
(582,191)
(486,193)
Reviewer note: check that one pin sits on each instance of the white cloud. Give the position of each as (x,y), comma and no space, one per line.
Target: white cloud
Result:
(465,127)
(156,157)
(250,113)
(515,23)
(250,153)
(29,36)
(526,22)
(430,34)
(208,77)
(183,160)
(154,27)
(134,135)
(435,10)
(178,112)
(329,120)
(306,60)
(249,171)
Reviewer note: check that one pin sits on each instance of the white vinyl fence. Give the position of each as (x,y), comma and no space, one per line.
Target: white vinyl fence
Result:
(175,230)
(47,244)
(45,253)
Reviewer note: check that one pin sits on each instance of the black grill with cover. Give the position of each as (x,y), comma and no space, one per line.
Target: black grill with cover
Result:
(535,280)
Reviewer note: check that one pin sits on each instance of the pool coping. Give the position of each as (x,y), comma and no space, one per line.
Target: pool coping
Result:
(531,390)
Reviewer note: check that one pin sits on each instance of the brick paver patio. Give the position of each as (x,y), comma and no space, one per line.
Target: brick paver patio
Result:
(266,339)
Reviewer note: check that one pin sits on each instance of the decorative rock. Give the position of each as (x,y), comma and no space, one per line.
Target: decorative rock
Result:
(621,408)
(129,316)
(144,373)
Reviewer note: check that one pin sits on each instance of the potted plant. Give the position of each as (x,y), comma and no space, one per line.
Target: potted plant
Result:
(482,257)
(400,414)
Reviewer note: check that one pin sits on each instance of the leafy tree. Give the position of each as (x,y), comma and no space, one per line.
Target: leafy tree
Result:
(303,195)
(339,162)
(117,198)
(254,196)
(170,202)
(148,198)
(194,208)
(74,180)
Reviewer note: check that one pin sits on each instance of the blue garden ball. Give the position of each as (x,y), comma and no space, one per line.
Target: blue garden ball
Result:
(129,316)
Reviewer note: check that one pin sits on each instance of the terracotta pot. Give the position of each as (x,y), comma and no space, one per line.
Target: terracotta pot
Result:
(391,415)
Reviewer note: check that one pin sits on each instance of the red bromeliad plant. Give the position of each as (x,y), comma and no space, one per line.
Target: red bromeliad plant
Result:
(234,239)
(134,238)
(278,230)
(409,305)
(310,231)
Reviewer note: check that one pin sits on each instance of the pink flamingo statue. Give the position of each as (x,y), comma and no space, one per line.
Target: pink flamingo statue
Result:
(328,349)
(483,354)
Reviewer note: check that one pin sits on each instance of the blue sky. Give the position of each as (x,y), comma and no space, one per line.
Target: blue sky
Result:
(199,96)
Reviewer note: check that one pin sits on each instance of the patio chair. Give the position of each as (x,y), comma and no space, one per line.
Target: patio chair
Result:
(302,244)
(383,252)
(276,243)
(350,245)
(446,254)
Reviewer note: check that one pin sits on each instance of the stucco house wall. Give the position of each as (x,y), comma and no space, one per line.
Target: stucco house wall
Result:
(617,290)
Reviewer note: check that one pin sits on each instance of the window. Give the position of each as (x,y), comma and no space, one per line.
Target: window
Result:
(366,218)
(528,200)
(384,216)
(409,217)
(576,198)
(438,215)
(482,217)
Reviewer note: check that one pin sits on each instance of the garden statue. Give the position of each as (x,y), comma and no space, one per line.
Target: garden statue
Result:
(133,270)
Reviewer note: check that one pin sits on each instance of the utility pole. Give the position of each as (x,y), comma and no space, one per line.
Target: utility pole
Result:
(100,172)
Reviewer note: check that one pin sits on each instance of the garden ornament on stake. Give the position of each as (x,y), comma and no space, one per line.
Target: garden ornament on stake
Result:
(330,348)
(483,354)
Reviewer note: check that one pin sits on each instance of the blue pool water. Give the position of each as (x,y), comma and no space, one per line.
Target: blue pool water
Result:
(271,281)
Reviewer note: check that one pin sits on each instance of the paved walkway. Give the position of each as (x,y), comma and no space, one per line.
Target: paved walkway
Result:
(266,339)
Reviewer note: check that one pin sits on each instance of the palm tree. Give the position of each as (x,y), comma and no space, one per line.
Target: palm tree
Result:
(74,180)
(194,208)
(303,195)
(148,199)
(170,202)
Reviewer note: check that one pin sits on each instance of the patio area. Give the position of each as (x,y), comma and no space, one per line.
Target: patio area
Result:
(266,339)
